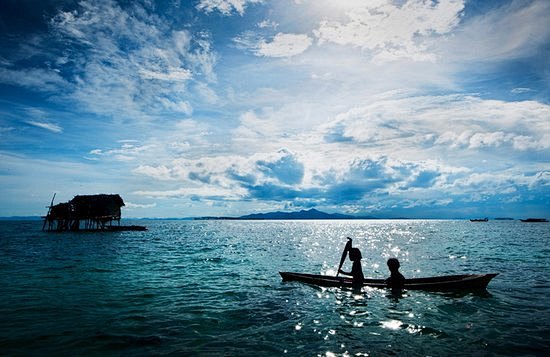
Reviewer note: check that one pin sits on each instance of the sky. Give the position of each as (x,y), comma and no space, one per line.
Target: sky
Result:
(390,108)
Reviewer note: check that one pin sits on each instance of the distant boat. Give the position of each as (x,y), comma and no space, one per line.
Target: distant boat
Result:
(479,220)
(535,220)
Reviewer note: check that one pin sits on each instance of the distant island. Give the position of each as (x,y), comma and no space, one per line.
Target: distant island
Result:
(303,214)
(21,218)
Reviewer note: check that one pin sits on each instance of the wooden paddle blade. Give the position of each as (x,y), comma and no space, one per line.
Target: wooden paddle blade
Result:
(344,255)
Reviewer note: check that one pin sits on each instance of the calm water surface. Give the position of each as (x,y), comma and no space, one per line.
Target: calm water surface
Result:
(212,288)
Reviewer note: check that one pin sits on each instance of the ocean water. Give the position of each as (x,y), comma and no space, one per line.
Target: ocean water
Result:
(213,288)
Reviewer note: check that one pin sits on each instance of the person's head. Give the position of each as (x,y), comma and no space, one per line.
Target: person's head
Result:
(354,254)
(393,264)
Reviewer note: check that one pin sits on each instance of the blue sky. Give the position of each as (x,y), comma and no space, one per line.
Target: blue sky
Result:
(434,109)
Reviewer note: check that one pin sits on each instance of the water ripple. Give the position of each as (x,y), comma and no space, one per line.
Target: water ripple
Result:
(212,288)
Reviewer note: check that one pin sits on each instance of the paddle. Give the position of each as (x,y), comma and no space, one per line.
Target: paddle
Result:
(344,254)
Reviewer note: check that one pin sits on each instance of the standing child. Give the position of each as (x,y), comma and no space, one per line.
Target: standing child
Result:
(356,269)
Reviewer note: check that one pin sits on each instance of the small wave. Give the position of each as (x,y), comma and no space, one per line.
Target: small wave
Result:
(124,341)
(142,296)
(101,270)
(65,267)
(55,277)
(426,331)
(136,318)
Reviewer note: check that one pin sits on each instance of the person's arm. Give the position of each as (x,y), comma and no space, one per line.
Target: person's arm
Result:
(345,272)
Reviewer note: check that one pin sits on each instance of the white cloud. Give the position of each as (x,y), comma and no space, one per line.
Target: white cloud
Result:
(390,31)
(45,125)
(181,107)
(284,45)
(34,78)
(226,7)
(324,77)
(132,64)
(514,30)
(205,192)
(521,90)
(267,24)
(129,151)
(160,172)
(310,133)
(479,140)
(253,127)
(172,74)
(496,183)
(4,130)
(398,145)
(130,205)
(281,45)
(522,142)
(457,121)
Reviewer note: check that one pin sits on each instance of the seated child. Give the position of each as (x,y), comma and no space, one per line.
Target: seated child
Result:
(396,279)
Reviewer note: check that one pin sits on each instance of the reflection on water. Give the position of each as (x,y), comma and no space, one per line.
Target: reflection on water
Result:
(212,287)
(391,324)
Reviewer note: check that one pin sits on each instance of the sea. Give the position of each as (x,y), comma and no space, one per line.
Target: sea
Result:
(212,288)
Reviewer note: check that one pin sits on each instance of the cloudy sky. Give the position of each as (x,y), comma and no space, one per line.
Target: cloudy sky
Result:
(185,108)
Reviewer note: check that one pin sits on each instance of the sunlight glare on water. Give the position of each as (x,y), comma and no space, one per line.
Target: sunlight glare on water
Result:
(212,287)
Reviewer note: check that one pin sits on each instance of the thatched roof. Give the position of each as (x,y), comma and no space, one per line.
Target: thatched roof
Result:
(89,207)
(97,200)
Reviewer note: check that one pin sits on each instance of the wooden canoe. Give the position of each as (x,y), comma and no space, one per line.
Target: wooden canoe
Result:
(439,283)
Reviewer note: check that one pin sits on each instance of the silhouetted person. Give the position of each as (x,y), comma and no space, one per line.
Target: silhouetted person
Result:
(396,280)
(356,270)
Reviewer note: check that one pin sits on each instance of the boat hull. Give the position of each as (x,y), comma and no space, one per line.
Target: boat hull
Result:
(441,283)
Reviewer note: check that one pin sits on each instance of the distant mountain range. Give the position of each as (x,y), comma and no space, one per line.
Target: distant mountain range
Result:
(21,218)
(303,214)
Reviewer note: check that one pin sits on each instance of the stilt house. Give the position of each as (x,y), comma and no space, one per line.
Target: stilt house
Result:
(84,212)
